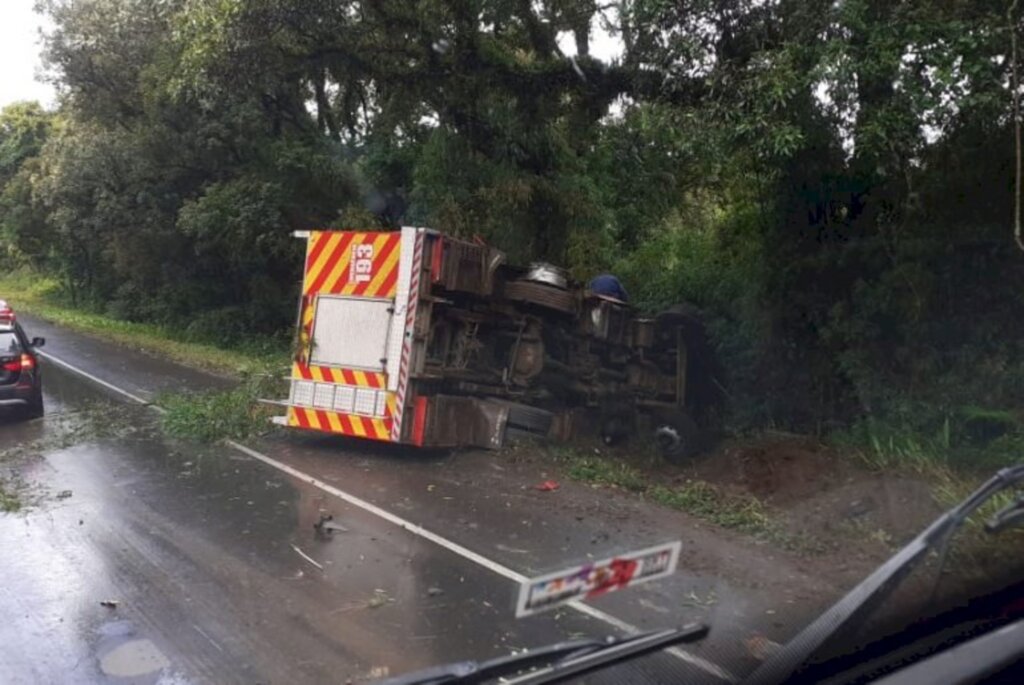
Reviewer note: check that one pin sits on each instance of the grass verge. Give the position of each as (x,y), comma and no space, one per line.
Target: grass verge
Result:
(38,295)
(953,469)
(206,417)
(743,513)
(10,498)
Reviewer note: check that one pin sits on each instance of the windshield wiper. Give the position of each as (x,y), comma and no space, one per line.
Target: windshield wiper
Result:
(1007,517)
(553,663)
(862,600)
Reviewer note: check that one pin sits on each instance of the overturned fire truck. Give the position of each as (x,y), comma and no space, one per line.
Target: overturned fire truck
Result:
(416,337)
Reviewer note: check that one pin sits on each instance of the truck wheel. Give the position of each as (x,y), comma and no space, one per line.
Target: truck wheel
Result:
(543,295)
(530,418)
(677,437)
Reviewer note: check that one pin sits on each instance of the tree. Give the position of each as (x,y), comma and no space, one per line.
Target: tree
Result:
(24,128)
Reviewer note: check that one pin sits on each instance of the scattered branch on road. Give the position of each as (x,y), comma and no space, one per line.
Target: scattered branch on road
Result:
(308,558)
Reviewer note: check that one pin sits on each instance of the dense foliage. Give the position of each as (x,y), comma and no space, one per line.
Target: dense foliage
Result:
(830,181)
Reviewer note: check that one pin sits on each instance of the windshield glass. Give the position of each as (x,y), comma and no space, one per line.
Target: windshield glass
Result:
(382,335)
(9,344)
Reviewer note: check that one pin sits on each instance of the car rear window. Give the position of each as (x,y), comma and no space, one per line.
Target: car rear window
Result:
(9,343)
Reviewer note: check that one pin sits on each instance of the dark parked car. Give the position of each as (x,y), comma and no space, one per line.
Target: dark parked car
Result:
(21,383)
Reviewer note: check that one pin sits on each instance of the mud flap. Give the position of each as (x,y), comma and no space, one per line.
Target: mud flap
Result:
(453,421)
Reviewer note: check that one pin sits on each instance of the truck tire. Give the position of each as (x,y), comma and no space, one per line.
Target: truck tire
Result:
(677,437)
(542,295)
(529,418)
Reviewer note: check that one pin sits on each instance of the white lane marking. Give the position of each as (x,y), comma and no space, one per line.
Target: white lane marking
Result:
(100,381)
(210,639)
(466,553)
(420,531)
(413,528)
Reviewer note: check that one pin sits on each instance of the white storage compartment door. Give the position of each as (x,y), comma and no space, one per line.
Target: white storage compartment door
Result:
(351,332)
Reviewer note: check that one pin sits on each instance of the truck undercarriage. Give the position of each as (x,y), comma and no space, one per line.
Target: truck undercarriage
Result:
(492,350)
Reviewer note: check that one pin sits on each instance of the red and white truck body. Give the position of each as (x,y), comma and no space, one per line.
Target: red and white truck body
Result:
(357,317)
(417,337)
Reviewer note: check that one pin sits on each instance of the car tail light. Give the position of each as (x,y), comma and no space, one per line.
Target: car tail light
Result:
(13,365)
(28,362)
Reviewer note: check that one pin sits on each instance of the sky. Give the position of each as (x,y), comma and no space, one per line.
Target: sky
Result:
(20,45)
(603,45)
(19,55)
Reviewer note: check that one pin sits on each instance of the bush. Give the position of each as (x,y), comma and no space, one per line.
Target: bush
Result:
(231,414)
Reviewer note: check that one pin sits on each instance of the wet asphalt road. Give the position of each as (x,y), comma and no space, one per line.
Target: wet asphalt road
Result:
(216,567)
(198,549)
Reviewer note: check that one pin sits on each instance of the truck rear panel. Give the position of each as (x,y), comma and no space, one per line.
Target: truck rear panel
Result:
(358,308)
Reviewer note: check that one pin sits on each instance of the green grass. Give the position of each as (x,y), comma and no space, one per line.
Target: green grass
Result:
(10,500)
(950,464)
(953,468)
(743,513)
(949,449)
(234,414)
(206,417)
(38,295)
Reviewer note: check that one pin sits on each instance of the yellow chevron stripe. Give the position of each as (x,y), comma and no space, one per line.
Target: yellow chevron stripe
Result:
(392,404)
(380,430)
(360,378)
(314,421)
(378,245)
(333,239)
(357,426)
(295,371)
(292,419)
(341,268)
(317,374)
(383,272)
(334,421)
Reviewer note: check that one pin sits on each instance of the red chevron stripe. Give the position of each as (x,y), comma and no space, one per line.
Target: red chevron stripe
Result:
(387,288)
(319,241)
(332,261)
(367,426)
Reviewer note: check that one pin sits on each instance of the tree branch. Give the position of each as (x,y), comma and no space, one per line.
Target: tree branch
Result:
(1015,87)
(323,106)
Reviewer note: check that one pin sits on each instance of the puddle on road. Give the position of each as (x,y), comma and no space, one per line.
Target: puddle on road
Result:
(126,658)
(133,659)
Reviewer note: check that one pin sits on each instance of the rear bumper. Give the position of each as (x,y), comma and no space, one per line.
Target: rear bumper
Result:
(16,394)
(434,421)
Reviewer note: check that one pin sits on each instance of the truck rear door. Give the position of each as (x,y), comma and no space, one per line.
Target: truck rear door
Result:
(348,374)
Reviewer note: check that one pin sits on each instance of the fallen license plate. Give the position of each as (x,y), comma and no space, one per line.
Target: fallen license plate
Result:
(595,579)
